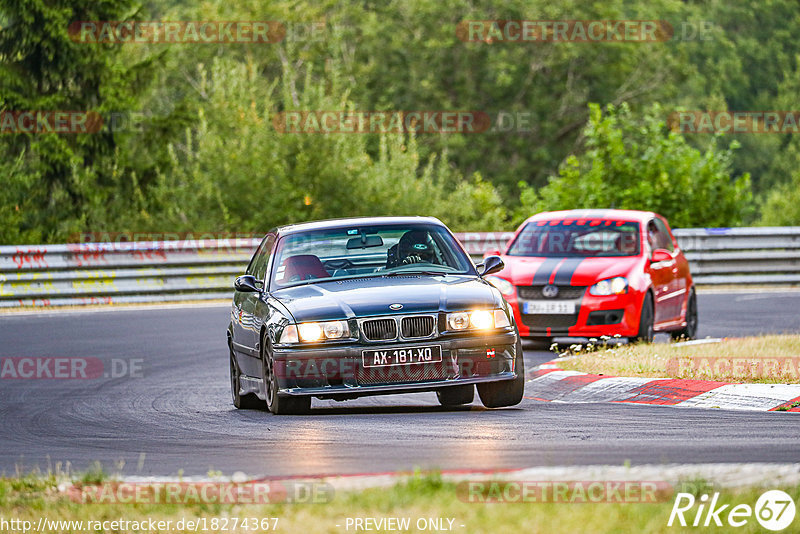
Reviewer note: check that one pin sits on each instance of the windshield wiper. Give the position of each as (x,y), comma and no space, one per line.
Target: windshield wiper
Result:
(416,271)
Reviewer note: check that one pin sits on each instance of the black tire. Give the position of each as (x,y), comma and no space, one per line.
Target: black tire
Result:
(278,404)
(242,402)
(540,343)
(690,330)
(507,392)
(646,332)
(455,395)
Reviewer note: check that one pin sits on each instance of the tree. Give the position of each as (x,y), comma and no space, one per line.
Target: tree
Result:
(42,69)
(634,162)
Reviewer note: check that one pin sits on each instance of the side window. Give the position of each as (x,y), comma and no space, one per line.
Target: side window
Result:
(664,236)
(251,267)
(263,259)
(658,235)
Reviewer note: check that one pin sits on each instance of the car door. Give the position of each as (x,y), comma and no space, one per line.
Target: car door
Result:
(664,273)
(680,271)
(247,324)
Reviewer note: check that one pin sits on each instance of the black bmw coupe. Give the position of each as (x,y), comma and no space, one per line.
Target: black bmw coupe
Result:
(352,307)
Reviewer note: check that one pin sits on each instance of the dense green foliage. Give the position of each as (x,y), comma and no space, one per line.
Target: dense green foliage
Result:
(207,157)
(639,164)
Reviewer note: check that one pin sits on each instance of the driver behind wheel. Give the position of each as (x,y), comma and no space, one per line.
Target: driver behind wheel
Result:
(416,246)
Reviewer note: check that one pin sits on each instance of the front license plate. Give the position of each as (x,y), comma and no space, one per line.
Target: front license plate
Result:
(401,356)
(548,307)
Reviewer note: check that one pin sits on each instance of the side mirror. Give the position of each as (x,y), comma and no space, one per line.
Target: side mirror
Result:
(247,284)
(660,254)
(492,264)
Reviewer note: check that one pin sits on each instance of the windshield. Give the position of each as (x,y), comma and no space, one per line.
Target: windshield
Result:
(581,238)
(358,252)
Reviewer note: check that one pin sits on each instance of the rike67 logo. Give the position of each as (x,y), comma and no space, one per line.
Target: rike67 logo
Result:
(774,510)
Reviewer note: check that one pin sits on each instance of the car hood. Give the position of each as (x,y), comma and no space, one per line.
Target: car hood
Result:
(522,271)
(372,296)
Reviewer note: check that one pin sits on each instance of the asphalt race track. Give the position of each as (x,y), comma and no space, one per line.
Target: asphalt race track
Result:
(178,416)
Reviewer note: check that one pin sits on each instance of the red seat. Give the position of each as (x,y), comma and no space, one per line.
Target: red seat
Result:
(304,267)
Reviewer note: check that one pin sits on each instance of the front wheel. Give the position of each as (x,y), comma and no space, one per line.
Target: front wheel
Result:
(456,395)
(646,332)
(278,404)
(507,392)
(690,330)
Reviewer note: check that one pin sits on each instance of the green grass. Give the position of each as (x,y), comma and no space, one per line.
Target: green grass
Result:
(763,359)
(429,496)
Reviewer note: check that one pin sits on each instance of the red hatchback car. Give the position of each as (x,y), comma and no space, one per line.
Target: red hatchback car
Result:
(592,273)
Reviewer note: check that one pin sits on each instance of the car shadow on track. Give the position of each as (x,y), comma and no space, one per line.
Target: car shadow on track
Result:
(386,410)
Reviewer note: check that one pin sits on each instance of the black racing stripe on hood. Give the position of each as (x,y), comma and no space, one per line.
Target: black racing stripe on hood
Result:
(567,269)
(544,271)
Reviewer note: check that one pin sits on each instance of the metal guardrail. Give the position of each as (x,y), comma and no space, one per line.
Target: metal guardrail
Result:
(92,273)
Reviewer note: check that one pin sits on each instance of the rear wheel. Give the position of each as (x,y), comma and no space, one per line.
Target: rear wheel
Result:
(278,404)
(243,402)
(690,330)
(506,392)
(646,332)
(455,395)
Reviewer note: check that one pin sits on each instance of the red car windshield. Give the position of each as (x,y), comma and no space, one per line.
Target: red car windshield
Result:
(577,238)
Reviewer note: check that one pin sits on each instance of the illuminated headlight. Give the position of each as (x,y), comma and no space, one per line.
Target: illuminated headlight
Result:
(478,320)
(612,286)
(505,287)
(481,319)
(311,332)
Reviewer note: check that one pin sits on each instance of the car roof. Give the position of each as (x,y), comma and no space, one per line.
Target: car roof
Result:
(623,215)
(354,221)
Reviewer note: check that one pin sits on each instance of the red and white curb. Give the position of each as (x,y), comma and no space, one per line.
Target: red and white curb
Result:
(549,383)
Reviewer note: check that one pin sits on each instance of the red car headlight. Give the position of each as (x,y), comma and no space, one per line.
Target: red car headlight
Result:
(611,286)
(505,287)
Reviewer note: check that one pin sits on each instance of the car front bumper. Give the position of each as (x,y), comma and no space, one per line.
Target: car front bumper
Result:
(338,371)
(612,315)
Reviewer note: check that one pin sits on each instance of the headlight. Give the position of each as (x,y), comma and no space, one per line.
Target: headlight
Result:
(612,286)
(311,332)
(477,320)
(481,319)
(505,287)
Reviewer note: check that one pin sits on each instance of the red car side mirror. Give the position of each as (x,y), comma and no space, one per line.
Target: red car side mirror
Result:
(660,254)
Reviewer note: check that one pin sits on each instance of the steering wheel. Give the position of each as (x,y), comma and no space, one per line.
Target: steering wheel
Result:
(339,264)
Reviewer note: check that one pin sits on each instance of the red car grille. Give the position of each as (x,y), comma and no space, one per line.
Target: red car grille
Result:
(564,292)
